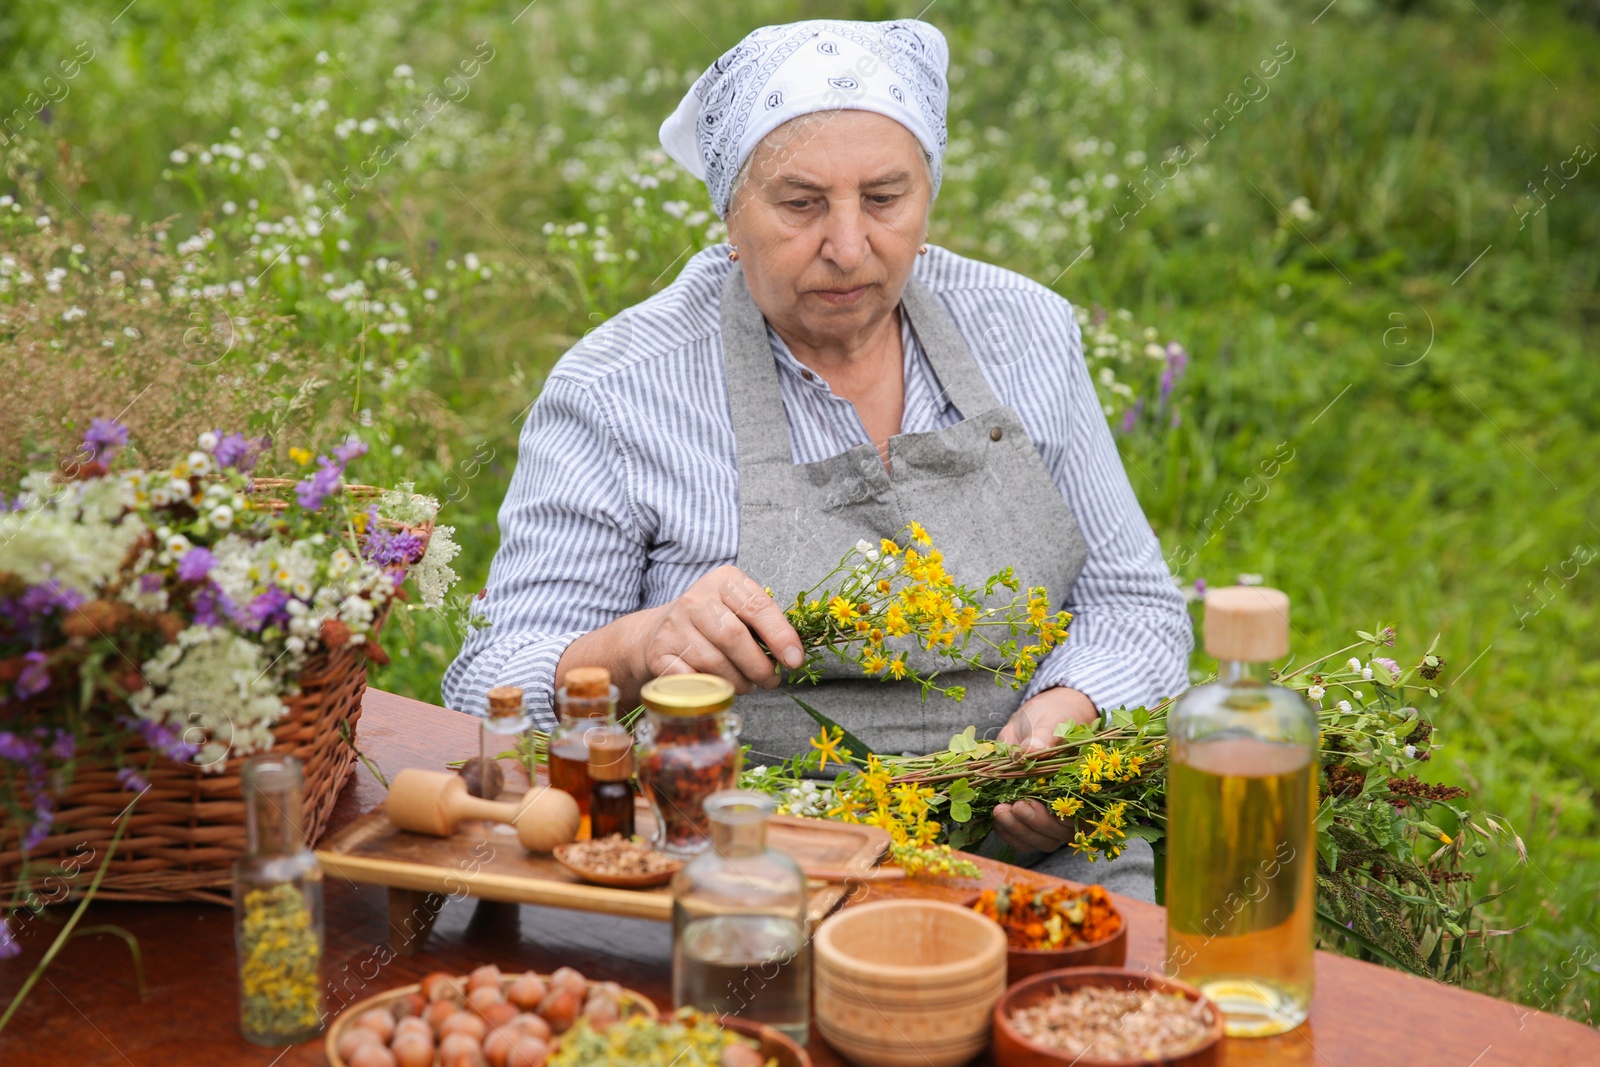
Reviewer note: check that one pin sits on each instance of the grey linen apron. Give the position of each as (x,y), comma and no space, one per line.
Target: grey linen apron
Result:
(979,487)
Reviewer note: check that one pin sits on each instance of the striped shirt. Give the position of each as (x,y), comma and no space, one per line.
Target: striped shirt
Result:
(626,486)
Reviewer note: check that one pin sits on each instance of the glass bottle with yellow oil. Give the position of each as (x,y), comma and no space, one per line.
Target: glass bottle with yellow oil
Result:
(1241,809)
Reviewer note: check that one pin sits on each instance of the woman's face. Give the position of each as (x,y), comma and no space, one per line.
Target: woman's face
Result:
(829,221)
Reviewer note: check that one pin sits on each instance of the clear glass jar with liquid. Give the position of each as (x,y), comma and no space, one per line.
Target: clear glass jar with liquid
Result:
(740,944)
(1241,836)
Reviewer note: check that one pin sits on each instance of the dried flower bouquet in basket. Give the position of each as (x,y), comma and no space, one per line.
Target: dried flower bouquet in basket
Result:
(168,612)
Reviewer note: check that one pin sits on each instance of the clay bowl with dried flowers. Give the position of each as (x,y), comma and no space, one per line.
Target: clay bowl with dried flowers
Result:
(621,864)
(776,1046)
(1051,927)
(1106,1017)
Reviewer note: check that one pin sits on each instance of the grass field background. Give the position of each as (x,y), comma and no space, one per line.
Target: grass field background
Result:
(1384,256)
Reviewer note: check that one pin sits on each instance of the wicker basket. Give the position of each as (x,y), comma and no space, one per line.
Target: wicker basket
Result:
(187,830)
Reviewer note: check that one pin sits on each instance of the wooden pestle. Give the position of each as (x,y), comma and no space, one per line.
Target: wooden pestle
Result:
(436,802)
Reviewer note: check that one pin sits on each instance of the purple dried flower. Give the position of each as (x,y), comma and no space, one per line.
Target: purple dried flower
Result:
(63,746)
(349,451)
(311,492)
(132,779)
(9,948)
(389,547)
(105,438)
(167,740)
(238,451)
(34,679)
(196,564)
(49,596)
(16,749)
(267,609)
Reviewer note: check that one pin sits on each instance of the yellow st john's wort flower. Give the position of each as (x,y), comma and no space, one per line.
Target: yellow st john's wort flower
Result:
(300,456)
(828,746)
(842,610)
(1066,807)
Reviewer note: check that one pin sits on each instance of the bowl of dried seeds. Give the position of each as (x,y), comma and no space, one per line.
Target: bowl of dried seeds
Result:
(1105,1017)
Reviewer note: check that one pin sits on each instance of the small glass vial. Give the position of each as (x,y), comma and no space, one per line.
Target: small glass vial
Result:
(588,701)
(610,783)
(688,750)
(504,718)
(277,909)
(739,912)
(1241,809)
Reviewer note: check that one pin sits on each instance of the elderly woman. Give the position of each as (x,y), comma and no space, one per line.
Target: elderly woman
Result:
(825,378)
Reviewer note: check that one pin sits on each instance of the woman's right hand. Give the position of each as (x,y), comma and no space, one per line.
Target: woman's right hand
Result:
(713,629)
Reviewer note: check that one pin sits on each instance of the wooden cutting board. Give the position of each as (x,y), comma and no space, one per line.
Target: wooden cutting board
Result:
(481,861)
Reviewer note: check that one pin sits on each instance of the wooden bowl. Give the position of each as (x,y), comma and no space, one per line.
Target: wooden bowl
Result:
(907,983)
(1111,951)
(1107,952)
(1011,1049)
(775,1044)
(633,1003)
(616,881)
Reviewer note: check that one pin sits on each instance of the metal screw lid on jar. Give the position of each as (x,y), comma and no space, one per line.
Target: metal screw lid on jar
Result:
(687,694)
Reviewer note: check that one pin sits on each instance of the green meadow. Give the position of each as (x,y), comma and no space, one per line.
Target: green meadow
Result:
(1374,229)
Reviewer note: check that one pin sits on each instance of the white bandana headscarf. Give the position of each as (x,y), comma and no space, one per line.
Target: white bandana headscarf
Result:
(894,68)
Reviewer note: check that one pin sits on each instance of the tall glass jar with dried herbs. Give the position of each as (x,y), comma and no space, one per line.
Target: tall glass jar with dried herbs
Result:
(688,749)
(277,909)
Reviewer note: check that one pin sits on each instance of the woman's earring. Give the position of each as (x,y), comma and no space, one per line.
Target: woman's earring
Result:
(735,253)
(922,251)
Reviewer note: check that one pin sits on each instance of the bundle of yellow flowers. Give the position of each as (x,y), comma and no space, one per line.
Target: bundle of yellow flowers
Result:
(882,602)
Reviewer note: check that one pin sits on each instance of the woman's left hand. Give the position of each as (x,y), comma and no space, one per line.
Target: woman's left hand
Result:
(1028,824)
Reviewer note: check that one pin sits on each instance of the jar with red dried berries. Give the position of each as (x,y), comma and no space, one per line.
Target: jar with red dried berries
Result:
(688,749)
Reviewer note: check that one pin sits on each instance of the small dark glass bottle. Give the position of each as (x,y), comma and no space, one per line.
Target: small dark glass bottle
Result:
(610,782)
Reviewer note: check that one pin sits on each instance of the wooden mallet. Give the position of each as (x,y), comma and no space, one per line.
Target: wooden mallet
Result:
(436,802)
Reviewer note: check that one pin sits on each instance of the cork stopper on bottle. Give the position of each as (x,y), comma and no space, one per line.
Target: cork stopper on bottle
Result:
(588,683)
(610,755)
(505,701)
(1247,624)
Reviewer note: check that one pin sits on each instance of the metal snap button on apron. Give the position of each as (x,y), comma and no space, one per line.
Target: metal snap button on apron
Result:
(995,434)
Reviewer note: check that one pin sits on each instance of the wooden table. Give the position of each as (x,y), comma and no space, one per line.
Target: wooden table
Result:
(87,1010)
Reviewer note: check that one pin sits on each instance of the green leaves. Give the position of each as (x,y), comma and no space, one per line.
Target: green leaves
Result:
(961,796)
(852,745)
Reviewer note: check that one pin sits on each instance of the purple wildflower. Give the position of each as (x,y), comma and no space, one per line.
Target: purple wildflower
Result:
(16,749)
(1177,361)
(1391,665)
(311,492)
(210,604)
(132,779)
(1200,586)
(48,596)
(35,677)
(389,547)
(238,451)
(104,438)
(268,609)
(63,746)
(150,583)
(168,741)
(349,451)
(196,564)
(8,941)
(1130,418)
